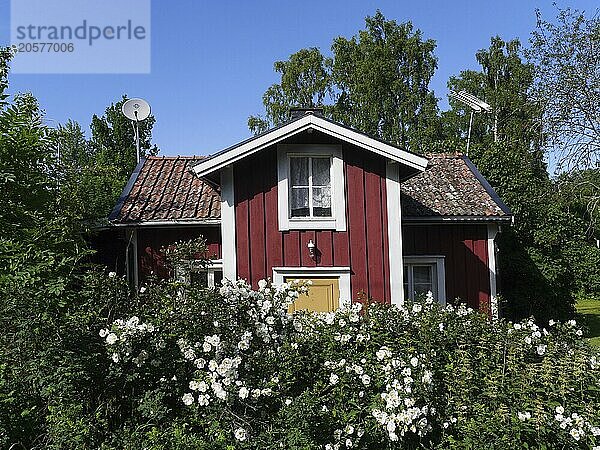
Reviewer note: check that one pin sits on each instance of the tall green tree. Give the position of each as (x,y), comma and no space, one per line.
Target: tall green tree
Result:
(565,55)
(536,254)
(40,249)
(305,83)
(94,172)
(376,81)
(382,76)
(113,139)
(567,69)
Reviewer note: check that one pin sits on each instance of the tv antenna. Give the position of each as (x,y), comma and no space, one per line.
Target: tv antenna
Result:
(136,110)
(475,104)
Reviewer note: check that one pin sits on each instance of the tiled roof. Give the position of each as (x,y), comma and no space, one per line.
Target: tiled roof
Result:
(450,187)
(164,189)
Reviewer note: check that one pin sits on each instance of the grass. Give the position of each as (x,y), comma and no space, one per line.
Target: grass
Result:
(590,314)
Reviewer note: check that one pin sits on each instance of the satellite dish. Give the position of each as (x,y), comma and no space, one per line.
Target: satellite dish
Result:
(136,109)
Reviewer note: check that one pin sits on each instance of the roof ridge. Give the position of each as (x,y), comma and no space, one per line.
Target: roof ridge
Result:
(176,157)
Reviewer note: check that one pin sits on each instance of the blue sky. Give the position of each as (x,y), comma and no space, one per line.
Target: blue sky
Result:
(212,61)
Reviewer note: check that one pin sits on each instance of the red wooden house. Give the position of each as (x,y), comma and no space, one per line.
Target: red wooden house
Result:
(313,199)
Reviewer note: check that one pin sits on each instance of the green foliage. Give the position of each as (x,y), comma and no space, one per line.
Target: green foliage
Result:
(305,82)
(92,174)
(544,257)
(377,82)
(450,377)
(503,82)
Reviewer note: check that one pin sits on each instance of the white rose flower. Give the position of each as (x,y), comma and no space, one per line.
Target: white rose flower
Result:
(240,434)
(427,376)
(333,378)
(417,308)
(103,333)
(541,349)
(524,416)
(115,357)
(414,361)
(111,338)
(206,347)
(200,363)
(366,379)
(203,399)
(112,274)
(243,394)
(262,284)
(188,399)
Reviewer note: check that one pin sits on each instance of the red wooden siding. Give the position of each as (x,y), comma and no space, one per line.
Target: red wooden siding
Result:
(466,258)
(261,246)
(151,240)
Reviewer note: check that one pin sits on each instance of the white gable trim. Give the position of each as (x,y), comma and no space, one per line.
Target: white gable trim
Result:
(236,153)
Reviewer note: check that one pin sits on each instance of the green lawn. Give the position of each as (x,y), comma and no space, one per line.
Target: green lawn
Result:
(590,313)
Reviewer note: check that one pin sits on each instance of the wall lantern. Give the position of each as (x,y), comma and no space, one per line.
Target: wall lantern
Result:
(311,249)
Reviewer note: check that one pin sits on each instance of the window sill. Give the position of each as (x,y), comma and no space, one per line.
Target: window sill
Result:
(312,224)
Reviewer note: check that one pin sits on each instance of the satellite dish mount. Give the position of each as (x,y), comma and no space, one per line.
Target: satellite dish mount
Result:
(136,110)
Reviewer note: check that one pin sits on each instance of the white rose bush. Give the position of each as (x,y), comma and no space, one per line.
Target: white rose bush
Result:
(232,368)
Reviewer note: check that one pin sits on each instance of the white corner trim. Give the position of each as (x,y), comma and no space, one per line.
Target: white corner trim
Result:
(228,224)
(394,219)
(343,273)
(492,231)
(338,196)
(440,271)
(276,135)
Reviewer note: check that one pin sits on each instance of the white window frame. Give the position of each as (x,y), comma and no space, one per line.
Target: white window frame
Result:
(214,265)
(439,274)
(341,273)
(337,221)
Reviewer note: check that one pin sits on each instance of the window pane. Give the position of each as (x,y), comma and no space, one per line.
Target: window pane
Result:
(320,171)
(218,277)
(199,279)
(322,202)
(422,274)
(299,171)
(299,202)
(423,279)
(406,296)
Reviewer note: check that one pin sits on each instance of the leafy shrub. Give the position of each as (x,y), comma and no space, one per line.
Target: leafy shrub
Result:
(232,369)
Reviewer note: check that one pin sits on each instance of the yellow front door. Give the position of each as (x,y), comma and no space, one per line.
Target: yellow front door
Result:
(323,296)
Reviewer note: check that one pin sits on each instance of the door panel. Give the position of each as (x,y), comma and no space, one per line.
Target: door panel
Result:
(323,295)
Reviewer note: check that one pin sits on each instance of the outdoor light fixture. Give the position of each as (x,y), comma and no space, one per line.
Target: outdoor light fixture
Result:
(475,104)
(311,249)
